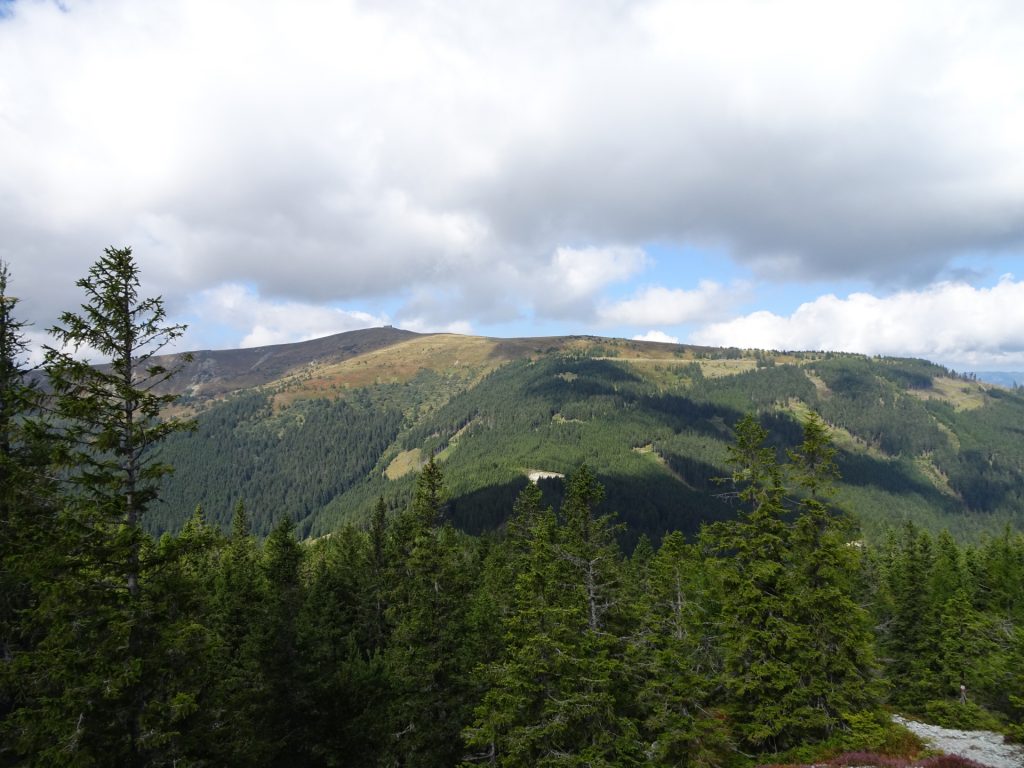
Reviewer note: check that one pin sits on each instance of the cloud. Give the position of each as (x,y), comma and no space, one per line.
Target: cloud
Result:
(421,325)
(566,286)
(948,322)
(666,306)
(325,152)
(266,322)
(570,283)
(657,336)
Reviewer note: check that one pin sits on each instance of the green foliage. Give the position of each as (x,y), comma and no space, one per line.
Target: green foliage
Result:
(950,713)
(291,462)
(111,415)
(427,664)
(94,691)
(875,731)
(27,502)
(796,646)
(408,642)
(555,695)
(656,434)
(677,664)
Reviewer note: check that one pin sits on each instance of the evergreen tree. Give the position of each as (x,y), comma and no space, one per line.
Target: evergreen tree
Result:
(678,664)
(181,665)
(961,646)
(237,616)
(426,660)
(910,640)
(757,620)
(89,666)
(834,650)
(111,414)
(559,695)
(341,676)
(282,709)
(27,511)
(377,575)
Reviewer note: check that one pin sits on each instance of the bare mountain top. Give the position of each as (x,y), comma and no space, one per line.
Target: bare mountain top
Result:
(217,372)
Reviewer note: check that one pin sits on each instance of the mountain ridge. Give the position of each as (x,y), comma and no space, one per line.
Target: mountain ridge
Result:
(318,430)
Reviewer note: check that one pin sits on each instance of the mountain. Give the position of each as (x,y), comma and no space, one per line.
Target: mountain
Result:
(319,430)
(1010,379)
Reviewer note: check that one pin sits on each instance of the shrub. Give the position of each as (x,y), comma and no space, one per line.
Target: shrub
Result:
(962,715)
(875,732)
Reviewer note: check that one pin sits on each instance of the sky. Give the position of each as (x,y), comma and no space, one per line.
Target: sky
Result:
(782,174)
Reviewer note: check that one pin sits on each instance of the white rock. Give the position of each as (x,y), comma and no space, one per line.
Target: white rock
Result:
(983,747)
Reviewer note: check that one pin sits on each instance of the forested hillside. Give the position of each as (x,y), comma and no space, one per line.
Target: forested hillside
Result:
(772,634)
(916,442)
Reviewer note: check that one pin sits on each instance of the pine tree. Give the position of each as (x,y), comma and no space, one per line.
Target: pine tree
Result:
(27,511)
(673,651)
(238,619)
(834,651)
(426,661)
(913,665)
(89,665)
(556,696)
(757,623)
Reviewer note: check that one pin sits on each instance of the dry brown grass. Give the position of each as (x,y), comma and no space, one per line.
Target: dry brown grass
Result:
(404,463)
(936,476)
(962,395)
(467,357)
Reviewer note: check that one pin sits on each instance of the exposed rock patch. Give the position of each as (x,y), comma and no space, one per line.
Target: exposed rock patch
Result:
(984,747)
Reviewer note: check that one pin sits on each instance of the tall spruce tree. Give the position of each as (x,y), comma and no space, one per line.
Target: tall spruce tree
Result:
(677,662)
(426,659)
(797,647)
(834,650)
(283,707)
(239,593)
(757,620)
(559,694)
(89,666)
(27,507)
(111,414)
(909,643)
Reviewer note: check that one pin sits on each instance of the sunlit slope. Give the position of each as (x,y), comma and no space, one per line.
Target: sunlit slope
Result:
(322,441)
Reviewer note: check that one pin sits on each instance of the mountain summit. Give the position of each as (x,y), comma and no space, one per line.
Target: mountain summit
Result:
(318,430)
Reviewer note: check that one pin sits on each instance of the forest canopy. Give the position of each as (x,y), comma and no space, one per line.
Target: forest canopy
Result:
(403,640)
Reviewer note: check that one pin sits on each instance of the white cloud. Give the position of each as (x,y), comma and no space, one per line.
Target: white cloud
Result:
(657,336)
(422,325)
(266,322)
(947,322)
(581,272)
(667,306)
(570,283)
(327,151)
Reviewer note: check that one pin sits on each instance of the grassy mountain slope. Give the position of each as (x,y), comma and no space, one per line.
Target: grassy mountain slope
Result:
(320,436)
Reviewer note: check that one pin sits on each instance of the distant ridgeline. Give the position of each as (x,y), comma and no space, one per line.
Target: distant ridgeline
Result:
(1010,379)
(318,431)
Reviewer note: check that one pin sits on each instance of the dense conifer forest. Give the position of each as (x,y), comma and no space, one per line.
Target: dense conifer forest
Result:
(774,632)
(914,440)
